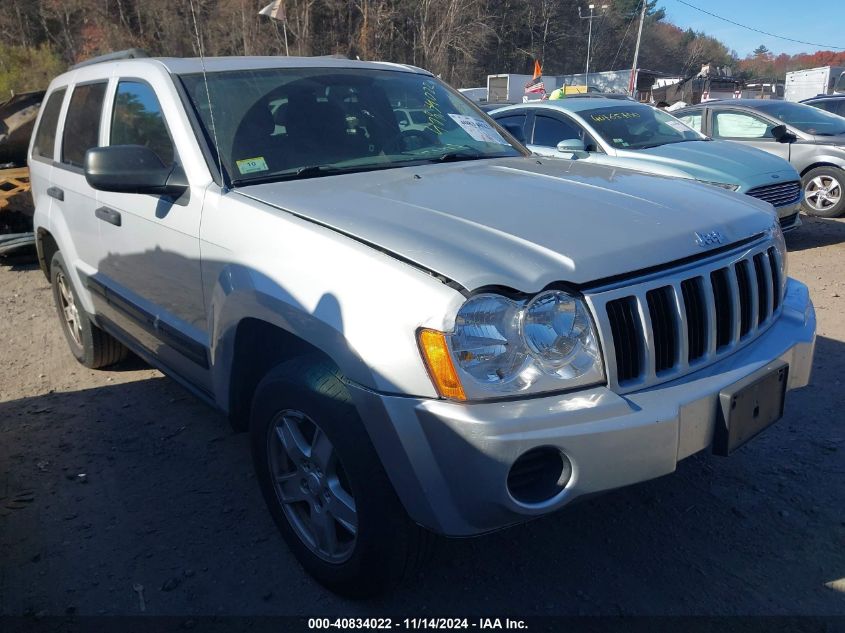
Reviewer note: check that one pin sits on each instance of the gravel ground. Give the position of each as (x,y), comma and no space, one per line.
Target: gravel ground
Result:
(112,478)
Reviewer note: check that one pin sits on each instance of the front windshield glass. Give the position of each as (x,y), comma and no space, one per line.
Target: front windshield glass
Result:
(803,117)
(634,126)
(284,123)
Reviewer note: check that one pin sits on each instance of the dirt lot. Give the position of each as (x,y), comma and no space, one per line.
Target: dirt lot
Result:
(112,478)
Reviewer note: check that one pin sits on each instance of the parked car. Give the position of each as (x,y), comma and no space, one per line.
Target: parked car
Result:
(638,136)
(411,118)
(601,95)
(421,330)
(831,103)
(811,139)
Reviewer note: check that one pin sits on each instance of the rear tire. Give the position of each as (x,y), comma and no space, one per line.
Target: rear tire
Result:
(324,483)
(824,192)
(90,345)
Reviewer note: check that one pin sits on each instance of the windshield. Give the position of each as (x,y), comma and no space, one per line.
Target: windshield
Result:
(803,117)
(634,126)
(277,124)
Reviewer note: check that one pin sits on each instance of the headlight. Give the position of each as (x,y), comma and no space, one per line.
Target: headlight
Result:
(559,334)
(723,185)
(486,341)
(503,347)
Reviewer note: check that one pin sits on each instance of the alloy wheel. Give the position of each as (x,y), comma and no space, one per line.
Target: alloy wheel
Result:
(823,192)
(311,486)
(69,310)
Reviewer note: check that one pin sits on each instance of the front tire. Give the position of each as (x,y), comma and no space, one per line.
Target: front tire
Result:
(90,345)
(824,192)
(324,483)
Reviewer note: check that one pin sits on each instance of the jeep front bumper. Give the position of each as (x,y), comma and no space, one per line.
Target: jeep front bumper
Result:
(449,461)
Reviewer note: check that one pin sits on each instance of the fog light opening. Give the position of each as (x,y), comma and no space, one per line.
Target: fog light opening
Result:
(539,475)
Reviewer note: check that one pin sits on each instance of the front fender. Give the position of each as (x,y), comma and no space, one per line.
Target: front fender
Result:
(240,293)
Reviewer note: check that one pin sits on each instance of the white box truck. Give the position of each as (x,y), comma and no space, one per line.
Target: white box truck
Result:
(510,88)
(803,84)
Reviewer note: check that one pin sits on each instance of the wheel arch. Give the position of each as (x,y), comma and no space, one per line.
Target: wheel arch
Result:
(257,347)
(45,246)
(821,163)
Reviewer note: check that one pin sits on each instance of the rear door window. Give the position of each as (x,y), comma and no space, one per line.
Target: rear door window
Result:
(137,120)
(82,124)
(45,137)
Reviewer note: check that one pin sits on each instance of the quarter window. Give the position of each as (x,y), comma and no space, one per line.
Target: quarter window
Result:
(45,137)
(137,120)
(692,120)
(740,125)
(82,124)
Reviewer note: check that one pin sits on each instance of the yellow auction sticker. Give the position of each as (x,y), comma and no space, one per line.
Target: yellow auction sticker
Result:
(250,165)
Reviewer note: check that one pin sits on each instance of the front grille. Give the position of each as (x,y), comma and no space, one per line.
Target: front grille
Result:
(666,327)
(778,195)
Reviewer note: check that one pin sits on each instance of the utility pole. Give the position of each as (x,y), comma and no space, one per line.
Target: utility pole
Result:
(632,86)
(589,38)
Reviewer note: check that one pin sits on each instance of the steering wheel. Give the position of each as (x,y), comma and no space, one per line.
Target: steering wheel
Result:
(410,140)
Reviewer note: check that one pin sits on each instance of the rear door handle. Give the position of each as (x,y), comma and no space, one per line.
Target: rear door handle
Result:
(108,215)
(55,192)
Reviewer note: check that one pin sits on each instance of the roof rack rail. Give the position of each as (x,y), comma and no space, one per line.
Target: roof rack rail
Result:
(129,53)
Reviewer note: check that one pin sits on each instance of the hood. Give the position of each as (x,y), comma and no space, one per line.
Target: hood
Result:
(522,223)
(719,161)
(838,139)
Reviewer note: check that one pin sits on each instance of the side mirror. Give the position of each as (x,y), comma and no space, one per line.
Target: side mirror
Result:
(782,135)
(133,169)
(515,131)
(574,147)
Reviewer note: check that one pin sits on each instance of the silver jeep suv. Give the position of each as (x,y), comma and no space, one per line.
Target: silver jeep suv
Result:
(424,330)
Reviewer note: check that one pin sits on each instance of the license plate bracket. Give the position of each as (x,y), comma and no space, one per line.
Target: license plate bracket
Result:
(749,406)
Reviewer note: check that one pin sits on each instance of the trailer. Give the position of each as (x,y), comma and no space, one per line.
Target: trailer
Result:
(803,84)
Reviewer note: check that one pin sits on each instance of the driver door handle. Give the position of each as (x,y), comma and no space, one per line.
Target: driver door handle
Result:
(55,192)
(108,215)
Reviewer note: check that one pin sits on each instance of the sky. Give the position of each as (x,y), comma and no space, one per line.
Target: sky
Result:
(820,21)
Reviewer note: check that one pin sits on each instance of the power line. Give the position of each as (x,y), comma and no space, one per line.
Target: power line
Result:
(751,28)
(622,41)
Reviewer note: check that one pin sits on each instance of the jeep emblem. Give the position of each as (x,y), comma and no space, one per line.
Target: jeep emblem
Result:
(710,238)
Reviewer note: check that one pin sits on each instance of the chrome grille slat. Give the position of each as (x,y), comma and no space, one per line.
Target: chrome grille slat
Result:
(648,333)
(774,265)
(664,327)
(736,314)
(681,321)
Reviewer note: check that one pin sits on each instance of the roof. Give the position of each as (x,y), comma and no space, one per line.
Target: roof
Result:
(820,97)
(188,65)
(579,105)
(741,103)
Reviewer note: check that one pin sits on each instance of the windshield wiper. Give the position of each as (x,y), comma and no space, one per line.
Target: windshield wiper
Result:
(307,171)
(452,157)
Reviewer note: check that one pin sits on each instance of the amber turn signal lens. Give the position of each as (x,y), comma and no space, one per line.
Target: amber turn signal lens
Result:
(436,355)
